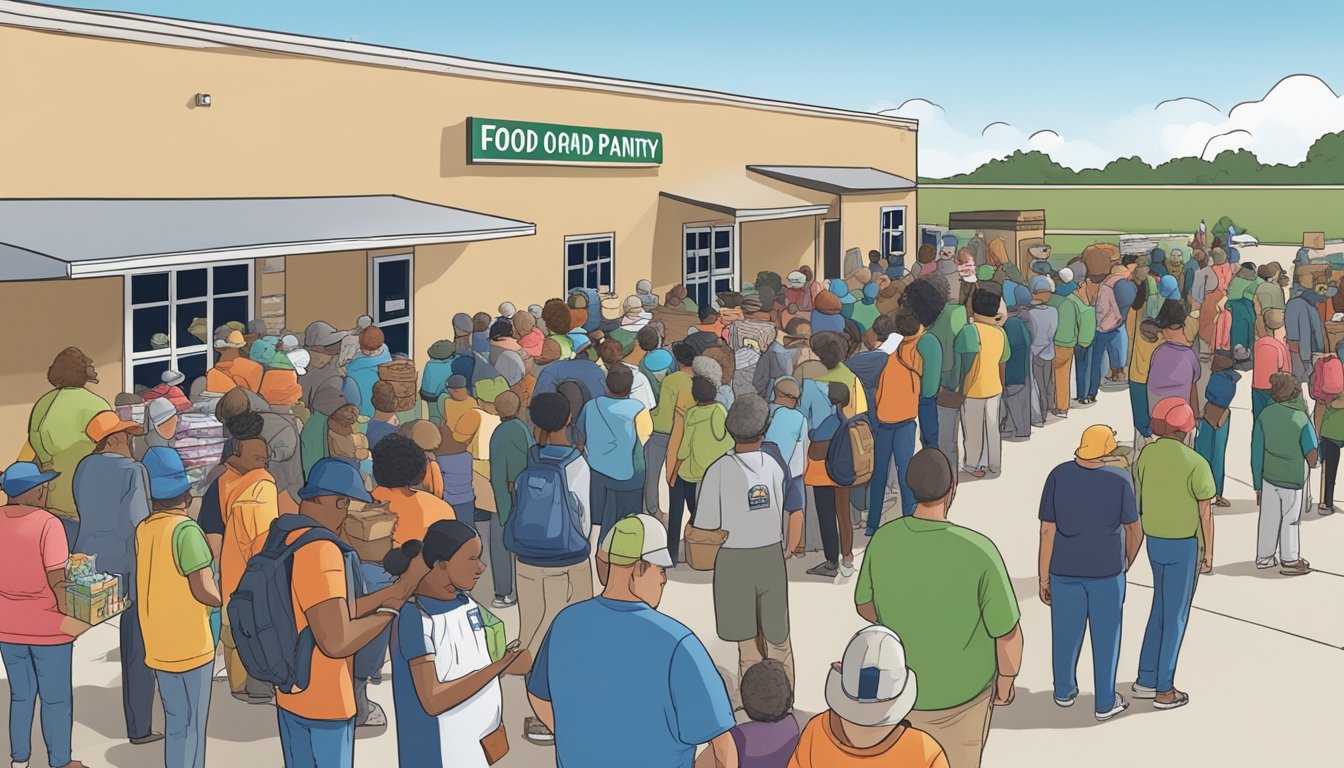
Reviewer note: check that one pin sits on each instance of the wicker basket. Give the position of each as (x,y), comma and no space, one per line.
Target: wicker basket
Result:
(702,547)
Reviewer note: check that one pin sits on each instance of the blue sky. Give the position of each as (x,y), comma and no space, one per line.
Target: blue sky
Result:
(1035,65)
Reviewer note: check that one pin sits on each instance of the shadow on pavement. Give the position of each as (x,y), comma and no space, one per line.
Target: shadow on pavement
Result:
(1246,569)
(1036,710)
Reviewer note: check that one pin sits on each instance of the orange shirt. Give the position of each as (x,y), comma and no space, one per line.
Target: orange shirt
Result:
(822,746)
(318,576)
(415,511)
(280,386)
(898,385)
(228,374)
(433,482)
(248,505)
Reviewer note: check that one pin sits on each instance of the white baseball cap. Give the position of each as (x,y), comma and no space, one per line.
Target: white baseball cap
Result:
(634,538)
(873,686)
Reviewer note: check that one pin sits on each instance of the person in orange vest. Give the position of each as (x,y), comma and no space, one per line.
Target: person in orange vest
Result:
(232,369)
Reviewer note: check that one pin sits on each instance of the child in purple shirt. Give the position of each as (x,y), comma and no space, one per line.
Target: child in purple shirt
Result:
(769,739)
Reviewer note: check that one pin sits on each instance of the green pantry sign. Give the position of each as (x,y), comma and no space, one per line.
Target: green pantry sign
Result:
(513,141)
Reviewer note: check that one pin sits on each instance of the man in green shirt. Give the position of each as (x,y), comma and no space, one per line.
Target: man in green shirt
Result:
(962,636)
(674,399)
(1281,438)
(508,455)
(949,324)
(1068,337)
(1175,489)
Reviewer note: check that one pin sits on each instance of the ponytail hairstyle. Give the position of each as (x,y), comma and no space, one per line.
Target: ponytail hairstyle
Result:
(441,543)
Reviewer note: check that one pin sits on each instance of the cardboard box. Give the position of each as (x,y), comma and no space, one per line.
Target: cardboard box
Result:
(1313,240)
(371,551)
(1334,334)
(372,523)
(1311,275)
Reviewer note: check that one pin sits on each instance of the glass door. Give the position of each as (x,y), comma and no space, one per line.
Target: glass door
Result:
(708,263)
(392,293)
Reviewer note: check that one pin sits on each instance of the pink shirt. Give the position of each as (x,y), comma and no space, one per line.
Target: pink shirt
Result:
(1271,357)
(32,542)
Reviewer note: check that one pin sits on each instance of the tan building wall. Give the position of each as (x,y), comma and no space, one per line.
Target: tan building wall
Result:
(780,246)
(861,222)
(326,286)
(46,317)
(288,125)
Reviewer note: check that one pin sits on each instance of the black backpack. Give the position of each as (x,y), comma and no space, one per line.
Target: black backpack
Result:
(261,610)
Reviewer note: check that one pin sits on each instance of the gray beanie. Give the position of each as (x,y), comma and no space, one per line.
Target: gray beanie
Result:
(709,368)
(749,417)
(462,324)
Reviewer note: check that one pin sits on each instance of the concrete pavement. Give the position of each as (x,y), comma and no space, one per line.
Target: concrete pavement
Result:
(1262,658)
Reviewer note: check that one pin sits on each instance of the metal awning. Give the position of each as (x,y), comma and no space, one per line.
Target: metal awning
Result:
(746,200)
(55,238)
(837,180)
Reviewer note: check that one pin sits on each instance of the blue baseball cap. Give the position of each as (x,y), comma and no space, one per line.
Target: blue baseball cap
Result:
(334,477)
(22,477)
(167,475)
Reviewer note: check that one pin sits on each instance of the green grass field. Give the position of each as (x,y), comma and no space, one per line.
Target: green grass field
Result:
(1272,215)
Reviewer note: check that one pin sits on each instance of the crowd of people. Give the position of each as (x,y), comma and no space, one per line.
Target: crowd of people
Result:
(580,454)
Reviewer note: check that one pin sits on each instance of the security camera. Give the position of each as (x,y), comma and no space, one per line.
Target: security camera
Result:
(202,99)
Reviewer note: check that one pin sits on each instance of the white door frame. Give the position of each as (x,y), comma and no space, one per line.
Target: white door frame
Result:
(375,310)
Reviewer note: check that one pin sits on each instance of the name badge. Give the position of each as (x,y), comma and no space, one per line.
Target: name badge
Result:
(474,618)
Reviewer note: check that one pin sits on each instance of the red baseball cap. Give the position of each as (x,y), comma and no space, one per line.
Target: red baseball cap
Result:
(1175,413)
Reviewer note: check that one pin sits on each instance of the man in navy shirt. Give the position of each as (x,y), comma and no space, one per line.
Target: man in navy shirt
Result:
(628,680)
(1090,535)
(1211,440)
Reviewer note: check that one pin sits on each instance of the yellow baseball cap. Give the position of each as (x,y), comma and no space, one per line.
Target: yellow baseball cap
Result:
(1098,441)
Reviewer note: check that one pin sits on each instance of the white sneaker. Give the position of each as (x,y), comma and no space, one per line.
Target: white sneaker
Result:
(1143,692)
(1120,706)
(1267,564)
(17,764)
(1066,703)
(846,570)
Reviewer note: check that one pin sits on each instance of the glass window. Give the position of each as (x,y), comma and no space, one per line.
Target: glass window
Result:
(709,267)
(193,325)
(231,279)
(149,289)
(589,262)
(230,309)
(173,315)
(893,233)
(192,284)
(149,328)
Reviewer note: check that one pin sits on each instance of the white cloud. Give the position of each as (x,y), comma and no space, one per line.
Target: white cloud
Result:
(1279,128)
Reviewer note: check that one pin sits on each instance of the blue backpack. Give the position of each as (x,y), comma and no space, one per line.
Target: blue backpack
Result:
(261,610)
(849,457)
(545,527)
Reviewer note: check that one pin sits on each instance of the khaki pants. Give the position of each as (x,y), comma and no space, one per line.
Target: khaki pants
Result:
(961,731)
(239,681)
(980,430)
(542,594)
(1063,362)
(751,652)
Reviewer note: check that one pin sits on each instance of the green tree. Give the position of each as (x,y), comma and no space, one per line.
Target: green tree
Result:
(1324,164)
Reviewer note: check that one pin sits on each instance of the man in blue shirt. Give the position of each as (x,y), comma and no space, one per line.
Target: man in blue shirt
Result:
(612,429)
(1090,535)
(1211,440)
(628,680)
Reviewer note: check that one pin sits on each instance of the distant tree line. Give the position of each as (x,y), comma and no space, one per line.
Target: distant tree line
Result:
(1324,164)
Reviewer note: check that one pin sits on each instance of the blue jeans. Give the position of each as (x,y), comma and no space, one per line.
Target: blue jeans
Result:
(39,671)
(1260,400)
(1082,370)
(890,441)
(1175,566)
(928,422)
(1076,604)
(137,680)
(369,659)
(1109,349)
(1211,443)
(316,743)
(1138,405)
(186,704)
